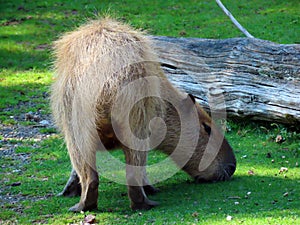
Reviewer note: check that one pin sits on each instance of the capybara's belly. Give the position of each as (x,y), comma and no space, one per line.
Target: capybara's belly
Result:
(107,135)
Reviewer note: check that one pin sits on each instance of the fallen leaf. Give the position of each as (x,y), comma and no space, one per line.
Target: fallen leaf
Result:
(195,214)
(89,219)
(283,169)
(279,139)
(251,172)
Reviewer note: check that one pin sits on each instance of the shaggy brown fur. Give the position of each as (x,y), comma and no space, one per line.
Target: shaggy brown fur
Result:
(93,65)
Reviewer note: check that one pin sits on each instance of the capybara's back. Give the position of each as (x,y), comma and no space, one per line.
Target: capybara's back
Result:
(93,64)
(96,60)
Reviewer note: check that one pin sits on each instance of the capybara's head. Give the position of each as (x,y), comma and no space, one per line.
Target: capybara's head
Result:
(213,158)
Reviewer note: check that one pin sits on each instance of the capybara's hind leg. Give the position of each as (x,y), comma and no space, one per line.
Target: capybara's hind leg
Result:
(135,163)
(85,167)
(89,181)
(73,187)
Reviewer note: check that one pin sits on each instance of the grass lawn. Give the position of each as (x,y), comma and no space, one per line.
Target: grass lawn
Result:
(265,188)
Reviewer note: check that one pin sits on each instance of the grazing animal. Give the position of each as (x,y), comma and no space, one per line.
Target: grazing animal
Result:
(110,92)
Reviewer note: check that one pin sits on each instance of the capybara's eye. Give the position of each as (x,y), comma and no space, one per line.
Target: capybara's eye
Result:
(207,128)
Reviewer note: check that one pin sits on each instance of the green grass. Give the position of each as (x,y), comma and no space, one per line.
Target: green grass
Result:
(181,200)
(27,29)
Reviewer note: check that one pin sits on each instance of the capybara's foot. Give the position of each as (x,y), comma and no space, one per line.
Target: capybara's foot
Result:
(89,198)
(71,191)
(83,207)
(151,190)
(73,187)
(138,199)
(146,205)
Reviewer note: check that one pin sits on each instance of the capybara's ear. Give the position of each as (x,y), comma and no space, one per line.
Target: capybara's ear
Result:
(192,97)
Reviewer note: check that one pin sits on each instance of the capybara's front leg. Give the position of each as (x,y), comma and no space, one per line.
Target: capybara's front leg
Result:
(135,167)
(73,187)
(138,199)
(148,188)
(89,195)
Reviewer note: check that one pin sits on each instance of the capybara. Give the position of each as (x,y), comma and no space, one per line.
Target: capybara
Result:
(110,92)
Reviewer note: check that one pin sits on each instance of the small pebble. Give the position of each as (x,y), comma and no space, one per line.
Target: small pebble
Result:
(44,123)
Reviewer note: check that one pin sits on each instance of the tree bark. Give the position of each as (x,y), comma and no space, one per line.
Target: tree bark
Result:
(246,77)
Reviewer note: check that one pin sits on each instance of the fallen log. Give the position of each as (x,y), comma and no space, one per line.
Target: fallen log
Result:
(246,77)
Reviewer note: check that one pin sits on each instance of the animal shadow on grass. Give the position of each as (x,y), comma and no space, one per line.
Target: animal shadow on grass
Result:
(251,193)
(241,195)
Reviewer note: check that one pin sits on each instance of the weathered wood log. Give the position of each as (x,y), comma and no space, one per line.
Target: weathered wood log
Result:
(247,77)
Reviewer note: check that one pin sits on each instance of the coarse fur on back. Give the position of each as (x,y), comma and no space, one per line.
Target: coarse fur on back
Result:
(82,94)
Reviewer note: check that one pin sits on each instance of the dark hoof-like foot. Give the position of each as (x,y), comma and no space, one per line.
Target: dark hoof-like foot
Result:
(71,191)
(81,207)
(151,190)
(73,187)
(144,205)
